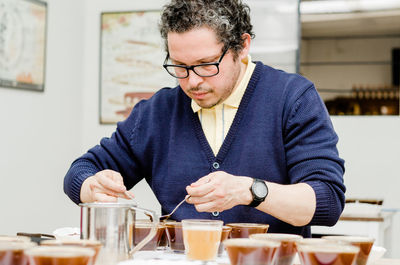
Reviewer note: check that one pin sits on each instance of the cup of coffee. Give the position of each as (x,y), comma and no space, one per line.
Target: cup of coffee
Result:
(46,255)
(243,251)
(226,231)
(364,243)
(12,252)
(141,228)
(287,247)
(201,238)
(243,230)
(86,243)
(312,241)
(175,236)
(14,238)
(327,253)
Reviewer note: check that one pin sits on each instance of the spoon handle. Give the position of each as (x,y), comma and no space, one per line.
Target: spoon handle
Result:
(165,217)
(186,197)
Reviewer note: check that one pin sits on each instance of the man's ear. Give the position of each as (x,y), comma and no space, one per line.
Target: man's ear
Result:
(246,46)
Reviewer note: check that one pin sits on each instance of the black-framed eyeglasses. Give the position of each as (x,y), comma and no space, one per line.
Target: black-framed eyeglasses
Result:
(203,70)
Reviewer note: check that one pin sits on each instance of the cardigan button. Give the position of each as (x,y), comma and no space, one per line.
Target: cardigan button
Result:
(215,165)
(215,214)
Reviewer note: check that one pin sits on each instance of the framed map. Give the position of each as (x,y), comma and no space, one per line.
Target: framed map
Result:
(131,69)
(22,44)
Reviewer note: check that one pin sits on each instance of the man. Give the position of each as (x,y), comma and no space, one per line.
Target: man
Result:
(249,143)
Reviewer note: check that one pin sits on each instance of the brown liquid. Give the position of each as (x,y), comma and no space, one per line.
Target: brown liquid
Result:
(175,237)
(163,240)
(12,257)
(286,253)
(365,249)
(365,246)
(142,232)
(246,230)
(201,244)
(226,231)
(82,260)
(96,246)
(240,255)
(327,258)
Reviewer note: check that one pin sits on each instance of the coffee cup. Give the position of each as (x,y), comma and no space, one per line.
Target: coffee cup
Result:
(14,238)
(327,253)
(46,255)
(226,231)
(175,236)
(287,247)
(244,251)
(12,252)
(141,228)
(243,230)
(364,243)
(86,243)
(311,241)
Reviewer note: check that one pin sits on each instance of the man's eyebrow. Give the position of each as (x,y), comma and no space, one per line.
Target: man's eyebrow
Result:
(201,60)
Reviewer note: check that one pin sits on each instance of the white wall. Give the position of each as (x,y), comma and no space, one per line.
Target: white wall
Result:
(41,132)
(92,130)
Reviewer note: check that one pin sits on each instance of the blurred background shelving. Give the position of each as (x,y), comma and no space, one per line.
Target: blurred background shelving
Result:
(350,49)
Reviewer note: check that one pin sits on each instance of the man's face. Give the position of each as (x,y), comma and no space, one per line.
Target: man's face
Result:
(201,46)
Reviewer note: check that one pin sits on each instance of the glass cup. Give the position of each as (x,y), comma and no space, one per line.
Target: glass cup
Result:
(287,247)
(201,238)
(226,231)
(244,251)
(335,253)
(141,228)
(45,255)
(243,230)
(364,243)
(14,238)
(12,252)
(175,236)
(86,243)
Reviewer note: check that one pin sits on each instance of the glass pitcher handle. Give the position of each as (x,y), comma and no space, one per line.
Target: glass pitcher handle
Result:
(153,231)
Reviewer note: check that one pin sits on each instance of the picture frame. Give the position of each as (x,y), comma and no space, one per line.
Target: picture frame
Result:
(23,31)
(131,59)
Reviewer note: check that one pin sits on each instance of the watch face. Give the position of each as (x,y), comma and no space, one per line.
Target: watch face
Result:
(260,190)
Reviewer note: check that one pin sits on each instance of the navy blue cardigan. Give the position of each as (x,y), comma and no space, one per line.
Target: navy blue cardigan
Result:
(281,133)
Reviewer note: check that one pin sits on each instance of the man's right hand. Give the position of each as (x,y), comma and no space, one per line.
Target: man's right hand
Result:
(105,186)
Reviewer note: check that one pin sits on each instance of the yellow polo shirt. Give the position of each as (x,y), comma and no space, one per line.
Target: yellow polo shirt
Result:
(217,120)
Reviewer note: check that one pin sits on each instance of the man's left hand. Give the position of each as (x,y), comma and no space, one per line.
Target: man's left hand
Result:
(219,191)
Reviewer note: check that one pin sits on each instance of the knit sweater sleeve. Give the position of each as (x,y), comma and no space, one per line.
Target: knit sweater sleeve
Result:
(115,153)
(312,156)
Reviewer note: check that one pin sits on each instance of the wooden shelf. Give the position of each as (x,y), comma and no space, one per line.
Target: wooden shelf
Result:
(351,24)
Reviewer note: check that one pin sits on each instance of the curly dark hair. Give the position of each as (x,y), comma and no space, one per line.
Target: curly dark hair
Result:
(228,18)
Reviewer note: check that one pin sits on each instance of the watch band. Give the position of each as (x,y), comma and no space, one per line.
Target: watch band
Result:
(255,203)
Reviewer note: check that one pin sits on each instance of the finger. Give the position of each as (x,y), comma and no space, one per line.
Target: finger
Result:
(99,189)
(110,182)
(200,199)
(206,207)
(127,195)
(101,197)
(202,181)
(117,177)
(201,187)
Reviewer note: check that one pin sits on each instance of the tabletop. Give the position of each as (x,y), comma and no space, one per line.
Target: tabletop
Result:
(171,258)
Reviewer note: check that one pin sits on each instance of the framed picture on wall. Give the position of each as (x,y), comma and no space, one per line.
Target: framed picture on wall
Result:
(132,55)
(23,44)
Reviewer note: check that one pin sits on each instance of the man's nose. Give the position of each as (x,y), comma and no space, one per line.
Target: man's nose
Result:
(193,79)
